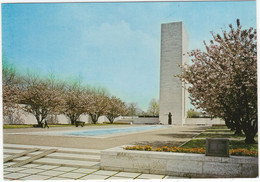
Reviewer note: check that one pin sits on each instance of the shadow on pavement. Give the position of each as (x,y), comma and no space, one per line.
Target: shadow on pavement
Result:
(179,135)
(156,144)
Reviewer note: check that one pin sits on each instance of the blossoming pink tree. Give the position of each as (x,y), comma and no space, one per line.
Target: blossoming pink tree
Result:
(76,101)
(115,108)
(11,83)
(97,106)
(41,98)
(10,90)
(223,79)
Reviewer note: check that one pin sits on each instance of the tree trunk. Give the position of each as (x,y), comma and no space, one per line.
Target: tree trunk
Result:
(111,119)
(238,132)
(230,124)
(94,118)
(238,129)
(250,140)
(73,118)
(250,130)
(39,119)
(250,126)
(72,121)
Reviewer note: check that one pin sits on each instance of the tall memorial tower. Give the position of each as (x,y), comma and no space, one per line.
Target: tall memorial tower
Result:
(173,97)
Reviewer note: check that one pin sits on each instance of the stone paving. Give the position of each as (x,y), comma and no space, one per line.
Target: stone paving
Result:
(81,159)
(71,164)
(171,136)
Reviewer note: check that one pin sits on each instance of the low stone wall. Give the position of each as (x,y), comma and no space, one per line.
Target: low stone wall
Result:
(204,121)
(147,120)
(178,164)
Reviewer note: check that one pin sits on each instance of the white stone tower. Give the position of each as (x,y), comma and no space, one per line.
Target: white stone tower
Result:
(173,97)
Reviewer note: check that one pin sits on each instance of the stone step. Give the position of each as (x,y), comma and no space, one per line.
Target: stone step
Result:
(22,148)
(58,155)
(67,163)
(13,151)
(20,154)
(63,153)
(93,158)
(62,161)
(79,152)
(6,155)
(70,157)
(33,158)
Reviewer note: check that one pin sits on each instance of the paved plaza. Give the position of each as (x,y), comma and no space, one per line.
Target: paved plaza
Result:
(172,136)
(60,158)
(64,164)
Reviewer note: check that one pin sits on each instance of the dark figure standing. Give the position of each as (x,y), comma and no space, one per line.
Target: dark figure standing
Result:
(46,124)
(170,118)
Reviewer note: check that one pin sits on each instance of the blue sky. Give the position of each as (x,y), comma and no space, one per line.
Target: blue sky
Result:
(113,45)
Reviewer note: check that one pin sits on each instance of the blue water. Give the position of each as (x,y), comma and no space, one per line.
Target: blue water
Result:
(96,132)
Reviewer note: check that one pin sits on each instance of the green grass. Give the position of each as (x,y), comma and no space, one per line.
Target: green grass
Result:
(233,144)
(17,126)
(59,125)
(13,126)
(221,132)
(215,135)
(55,125)
(195,143)
(219,127)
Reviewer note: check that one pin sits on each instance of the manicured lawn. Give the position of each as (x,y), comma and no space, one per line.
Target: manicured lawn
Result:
(233,144)
(17,126)
(238,142)
(57,125)
(220,135)
(31,126)
(219,127)
(220,132)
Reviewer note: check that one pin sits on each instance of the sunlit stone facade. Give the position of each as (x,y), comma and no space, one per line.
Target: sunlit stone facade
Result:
(173,97)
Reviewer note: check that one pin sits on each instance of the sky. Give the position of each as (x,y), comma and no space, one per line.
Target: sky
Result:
(110,45)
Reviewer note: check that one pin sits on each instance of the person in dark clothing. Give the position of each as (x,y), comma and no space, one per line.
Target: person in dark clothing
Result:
(46,124)
(170,118)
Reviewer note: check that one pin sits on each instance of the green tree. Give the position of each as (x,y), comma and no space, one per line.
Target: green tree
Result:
(193,114)
(132,109)
(153,108)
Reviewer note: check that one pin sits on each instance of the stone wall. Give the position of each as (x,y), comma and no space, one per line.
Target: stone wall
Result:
(147,120)
(178,164)
(28,118)
(204,121)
